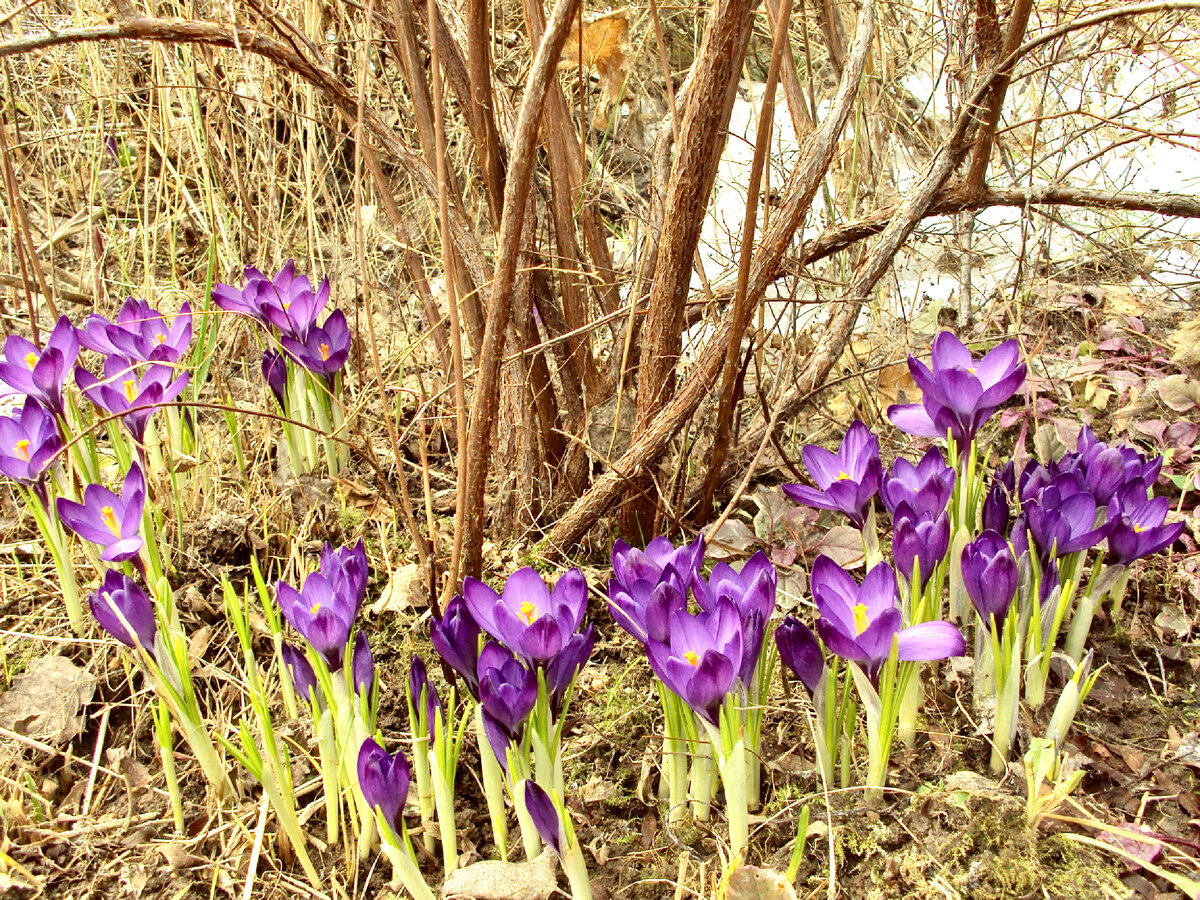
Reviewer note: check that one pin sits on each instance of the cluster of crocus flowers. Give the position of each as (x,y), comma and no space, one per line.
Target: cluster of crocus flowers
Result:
(861,624)
(141,370)
(39,431)
(333,673)
(1021,541)
(709,662)
(289,309)
(518,652)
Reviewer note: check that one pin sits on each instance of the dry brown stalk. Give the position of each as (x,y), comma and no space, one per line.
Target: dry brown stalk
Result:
(741,300)
(648,446)
(469,515)
(702,133)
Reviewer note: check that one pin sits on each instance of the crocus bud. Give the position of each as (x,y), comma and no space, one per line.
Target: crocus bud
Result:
(995,509)
(303,677)
(274,371)
(919,538)
(383,780)
(801,652)
(362,664)
(418,683)
(989,572)
(124,610)
(456,639)
(544,814)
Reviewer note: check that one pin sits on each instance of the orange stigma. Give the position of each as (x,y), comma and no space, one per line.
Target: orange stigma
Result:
(110,519)
(22,449)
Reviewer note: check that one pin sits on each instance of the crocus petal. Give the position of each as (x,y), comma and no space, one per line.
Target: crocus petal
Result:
(929,641)
(911,418)
(544,815)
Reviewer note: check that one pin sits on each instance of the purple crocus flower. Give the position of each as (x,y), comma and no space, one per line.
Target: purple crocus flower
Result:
(324,349)
(528,618)
(995,509)
(40,374)
(114,522)
(286,301)
(660,559)
(1062,524)
(922,538)
(456,639)
(132,390)
(859,622)
(295,308)
(123,609)
(347,569)
(545,816)
(362,664)
(303,677)
(418,684)
(847,481)
(140,332)
(989,572)
(960,392)
(507,693)
(274,371)
(703,658)
(1138,530)
(383,780)
(752,592)
(567,664)
(29,440)
(1109,468)
(644,608)
(321,613)
(926,487)
(801,652)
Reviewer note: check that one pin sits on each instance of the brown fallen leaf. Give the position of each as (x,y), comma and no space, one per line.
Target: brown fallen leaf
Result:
(493,880)
(405,591)
(753,883)
(605,50)
(44,701)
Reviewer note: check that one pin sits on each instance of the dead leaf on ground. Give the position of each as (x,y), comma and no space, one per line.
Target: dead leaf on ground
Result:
(753,883)
(44,701)
(896,384)
(1179,392)
(843,544)
(492,880)
(406,590)
(733,538)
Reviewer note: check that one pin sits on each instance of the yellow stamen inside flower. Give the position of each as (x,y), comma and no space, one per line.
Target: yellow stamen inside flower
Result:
(692,658)
(312,610)
(110,519)
(160,338)
(861,622)
(324,351)
(972,371)
(31,359)
(842,476)
(130,389)
(22,449)
(1138,529)
(529,612)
